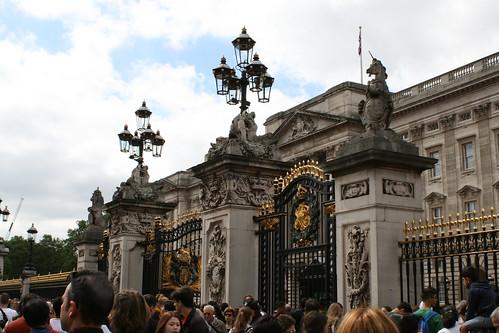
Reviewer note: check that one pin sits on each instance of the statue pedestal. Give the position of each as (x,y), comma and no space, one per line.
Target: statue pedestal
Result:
(4,251)
(377,187)
(233,188)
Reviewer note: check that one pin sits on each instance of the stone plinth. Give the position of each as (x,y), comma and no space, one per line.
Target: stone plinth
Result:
(377,187)
(232,189)
(4,251)
(87,248)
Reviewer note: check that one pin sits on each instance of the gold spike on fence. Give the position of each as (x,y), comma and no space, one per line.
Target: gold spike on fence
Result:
(454,224)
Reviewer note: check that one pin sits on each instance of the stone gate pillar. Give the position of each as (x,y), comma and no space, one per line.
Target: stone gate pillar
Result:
(378,187)
(232,188)
(132,212)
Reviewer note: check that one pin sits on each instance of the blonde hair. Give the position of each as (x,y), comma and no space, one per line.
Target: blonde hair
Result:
(334,312)
(367,320)
(129,313)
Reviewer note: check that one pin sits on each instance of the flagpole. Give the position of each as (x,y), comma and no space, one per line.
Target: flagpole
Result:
(360,55)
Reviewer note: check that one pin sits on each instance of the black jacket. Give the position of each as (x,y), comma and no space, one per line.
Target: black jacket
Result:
(481,300)
(195,323)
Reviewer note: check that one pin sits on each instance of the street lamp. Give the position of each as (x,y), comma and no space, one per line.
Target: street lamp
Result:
(29,269)
(253,74)
(5,212)
(143,140)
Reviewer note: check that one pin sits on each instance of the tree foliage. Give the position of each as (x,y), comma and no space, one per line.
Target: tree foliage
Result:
(50,255)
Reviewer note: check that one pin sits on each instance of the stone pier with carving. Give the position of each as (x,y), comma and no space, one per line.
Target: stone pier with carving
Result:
(378,187)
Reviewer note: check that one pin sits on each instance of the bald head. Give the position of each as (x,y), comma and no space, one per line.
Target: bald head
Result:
(209,313)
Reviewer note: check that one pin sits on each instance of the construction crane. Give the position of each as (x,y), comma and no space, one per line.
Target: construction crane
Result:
(14,219)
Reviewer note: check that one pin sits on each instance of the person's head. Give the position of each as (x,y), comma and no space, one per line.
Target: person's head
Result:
(184,299)
(244,317)
(461,307)
(161,300)
(87,301)
(470,274)
(409,323)
(36,312)
(287,323)
(150,301)
(56,304)
(403,309)
(386,309)
(494,316)
(255,308)
(314,322)
(129,312)
(449,316)
(311,304)
(229,314)
(334,312)
(247,299)
(267,324)
(362,320)
(429,296)
(169,323)
(209,313)
(4,299)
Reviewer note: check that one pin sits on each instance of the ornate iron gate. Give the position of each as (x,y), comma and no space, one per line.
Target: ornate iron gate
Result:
(434,254)
(173,255)
(297,239)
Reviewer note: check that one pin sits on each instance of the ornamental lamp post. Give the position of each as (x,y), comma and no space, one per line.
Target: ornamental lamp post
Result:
(253,73)
(4,212)
(29,269)
(143,140)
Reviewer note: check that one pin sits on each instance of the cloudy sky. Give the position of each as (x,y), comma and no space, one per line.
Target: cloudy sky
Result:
(72,73)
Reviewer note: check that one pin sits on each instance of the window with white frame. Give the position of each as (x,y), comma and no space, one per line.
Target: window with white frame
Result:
(468,155)
(436,213)
(470,206)
(436,171)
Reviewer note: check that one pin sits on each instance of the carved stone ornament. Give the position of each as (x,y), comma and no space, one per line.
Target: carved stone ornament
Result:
(355,190)
(116,267)
(302,126)
(357,267)
(482,111)
(216,265)
(376,111)
(435,198)
(416,131)
(95,211)
(447,121)
(398,188)
(213,192)
(137,187)
(243,140)
(469,192)
(128,222)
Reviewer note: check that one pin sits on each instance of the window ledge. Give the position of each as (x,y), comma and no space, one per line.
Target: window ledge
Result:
(468,172)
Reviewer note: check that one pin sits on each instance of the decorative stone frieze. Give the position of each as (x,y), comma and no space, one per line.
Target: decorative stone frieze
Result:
(435,198)
(468,192)
(398,188)
(123,221)
(482,111)
(302,126)
(355,190)
(116,267)
(416,131)
(448,121)
(357,267)
(216,265)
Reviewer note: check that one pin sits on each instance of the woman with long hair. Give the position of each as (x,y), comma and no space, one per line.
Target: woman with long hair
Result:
(129,313)
(334,315)
(169,323)
(243,320)
(366,320)
(230,317)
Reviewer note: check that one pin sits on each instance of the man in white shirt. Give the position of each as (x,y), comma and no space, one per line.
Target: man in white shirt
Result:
(4,304)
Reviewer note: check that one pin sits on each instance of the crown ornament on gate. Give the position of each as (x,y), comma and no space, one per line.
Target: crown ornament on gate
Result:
(308,168)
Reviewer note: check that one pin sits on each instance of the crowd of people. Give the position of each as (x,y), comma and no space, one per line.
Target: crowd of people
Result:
(89,305)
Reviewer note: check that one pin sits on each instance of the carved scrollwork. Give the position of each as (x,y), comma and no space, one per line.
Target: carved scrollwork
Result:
(357,267)
(216,265)
(355,190)
(214,192)
(116,267)
(302,126)
(447,121)
(126,222)
(482,111)
(398,188)
(416,131)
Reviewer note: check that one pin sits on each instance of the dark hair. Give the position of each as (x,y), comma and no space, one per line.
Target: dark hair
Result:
(470,272)
(4,298)
(449,316)
(387,308)
(405,306)
(93,294)
(56,304)
(253,305)
(23,301)
(36,312)
(184,295)
(311,304)
(150,300)
(298,317)
(286,321)
(428,293)
(409,323)
(169,305)
(314,322)
(267,324)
